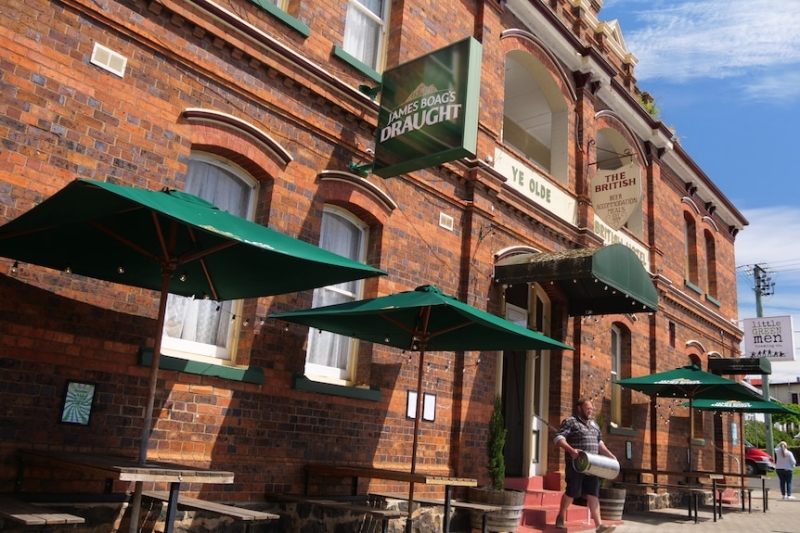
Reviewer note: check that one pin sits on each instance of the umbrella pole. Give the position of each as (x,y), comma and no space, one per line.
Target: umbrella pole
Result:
(422,339)
(417,417)
(136,503)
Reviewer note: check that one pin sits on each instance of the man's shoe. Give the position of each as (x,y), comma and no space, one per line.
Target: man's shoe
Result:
(606,529)
(560,522)
(790,497)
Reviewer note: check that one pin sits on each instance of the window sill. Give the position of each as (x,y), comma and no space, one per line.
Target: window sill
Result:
(357,64)
(302,383)
(692,286)
(698,442)
(628,432)
(284,17)
(249,374)
(713,300)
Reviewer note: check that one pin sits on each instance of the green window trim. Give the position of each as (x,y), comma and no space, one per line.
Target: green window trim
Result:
(283,16)
(249,374)
(357,64)
(713,300)
(628,432)
(302,383)
(692,286)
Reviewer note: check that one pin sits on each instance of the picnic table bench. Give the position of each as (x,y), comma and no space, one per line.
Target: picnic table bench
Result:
(358,472)
(482,508)
(384,515)
(31,514)
(693,488)
(248,516)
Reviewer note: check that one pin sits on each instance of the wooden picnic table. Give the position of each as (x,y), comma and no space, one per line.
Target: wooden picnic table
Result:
(356,472)
(126,469)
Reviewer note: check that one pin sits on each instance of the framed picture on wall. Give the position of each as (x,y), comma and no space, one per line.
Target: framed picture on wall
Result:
(78,402)
(428,406)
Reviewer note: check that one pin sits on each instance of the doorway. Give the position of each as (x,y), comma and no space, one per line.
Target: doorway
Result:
(523,385)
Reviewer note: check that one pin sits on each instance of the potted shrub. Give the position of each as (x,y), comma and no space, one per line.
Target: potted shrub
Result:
(510,500)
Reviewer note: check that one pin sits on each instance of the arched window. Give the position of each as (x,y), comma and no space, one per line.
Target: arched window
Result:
(711,265)
(198,329)
(535,119)
(620,369)
(690,248)
(331,357)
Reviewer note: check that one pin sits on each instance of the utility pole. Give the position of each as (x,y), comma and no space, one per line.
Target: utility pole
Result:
(764,286)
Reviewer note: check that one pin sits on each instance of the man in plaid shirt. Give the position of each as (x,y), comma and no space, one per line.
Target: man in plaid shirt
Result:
(580,432)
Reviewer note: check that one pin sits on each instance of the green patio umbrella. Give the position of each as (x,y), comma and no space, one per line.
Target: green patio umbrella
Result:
(422,320)
(171,242)
(688,382)
(754,405)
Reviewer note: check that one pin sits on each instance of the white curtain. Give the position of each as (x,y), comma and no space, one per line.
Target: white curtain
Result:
(343,237)
(207,321)
(363,30)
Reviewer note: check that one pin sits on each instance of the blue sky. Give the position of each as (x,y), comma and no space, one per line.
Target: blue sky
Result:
(725,75)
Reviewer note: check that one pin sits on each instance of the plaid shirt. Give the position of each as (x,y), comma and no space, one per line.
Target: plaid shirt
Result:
(579,434)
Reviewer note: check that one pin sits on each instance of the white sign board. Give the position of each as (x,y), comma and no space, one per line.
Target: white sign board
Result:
(770,337)
(535,187)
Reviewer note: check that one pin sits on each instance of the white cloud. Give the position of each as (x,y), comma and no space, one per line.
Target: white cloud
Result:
(781,88)
(714,38)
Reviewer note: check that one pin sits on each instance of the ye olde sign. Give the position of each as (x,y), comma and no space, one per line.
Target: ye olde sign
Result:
(615,194)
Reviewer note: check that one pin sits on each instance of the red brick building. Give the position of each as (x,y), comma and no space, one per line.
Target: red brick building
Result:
(264,101)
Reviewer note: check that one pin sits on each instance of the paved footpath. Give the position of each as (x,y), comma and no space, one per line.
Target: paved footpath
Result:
(783,516)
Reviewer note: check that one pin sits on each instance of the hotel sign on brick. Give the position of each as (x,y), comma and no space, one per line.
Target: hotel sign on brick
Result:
(616,193)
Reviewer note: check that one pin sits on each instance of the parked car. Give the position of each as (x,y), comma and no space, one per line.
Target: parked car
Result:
(756,461)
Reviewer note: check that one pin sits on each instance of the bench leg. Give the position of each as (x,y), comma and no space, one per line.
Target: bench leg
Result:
(484,523)
(446,525)
(172,506)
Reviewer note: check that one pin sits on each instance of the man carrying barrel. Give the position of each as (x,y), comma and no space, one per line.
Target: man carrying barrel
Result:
(578,433)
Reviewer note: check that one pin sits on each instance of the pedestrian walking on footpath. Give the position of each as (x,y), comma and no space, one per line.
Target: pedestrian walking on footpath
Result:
(784,464)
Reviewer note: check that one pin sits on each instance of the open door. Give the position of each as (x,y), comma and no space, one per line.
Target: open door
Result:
(524,386)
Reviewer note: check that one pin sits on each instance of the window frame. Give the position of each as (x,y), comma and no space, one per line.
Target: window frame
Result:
(202,352)
(325,373)
(383,20)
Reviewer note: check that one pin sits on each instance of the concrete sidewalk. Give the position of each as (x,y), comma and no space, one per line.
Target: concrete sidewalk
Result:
(783,516)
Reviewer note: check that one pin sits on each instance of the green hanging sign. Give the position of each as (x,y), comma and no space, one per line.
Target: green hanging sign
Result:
(429,110)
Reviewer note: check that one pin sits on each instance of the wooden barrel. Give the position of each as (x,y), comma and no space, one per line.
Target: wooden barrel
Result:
(612,503)
(507,519)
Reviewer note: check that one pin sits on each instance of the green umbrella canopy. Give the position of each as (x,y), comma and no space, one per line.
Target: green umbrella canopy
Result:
(687,382)
(126,235)
(755,405)
(171,242)
(422,319)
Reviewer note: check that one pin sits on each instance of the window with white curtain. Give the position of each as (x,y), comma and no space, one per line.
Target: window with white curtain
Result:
(331,357)
(364,31)
(195,328)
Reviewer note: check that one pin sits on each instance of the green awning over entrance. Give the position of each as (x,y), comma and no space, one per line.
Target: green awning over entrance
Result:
(597,281)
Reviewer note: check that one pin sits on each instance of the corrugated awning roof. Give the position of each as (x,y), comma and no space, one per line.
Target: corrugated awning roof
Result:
(598,281)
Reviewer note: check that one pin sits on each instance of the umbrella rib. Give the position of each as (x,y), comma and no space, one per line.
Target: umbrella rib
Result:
(201,254)
(125,241)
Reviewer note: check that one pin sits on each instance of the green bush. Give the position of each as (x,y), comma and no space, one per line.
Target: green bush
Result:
(495,443)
